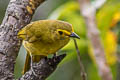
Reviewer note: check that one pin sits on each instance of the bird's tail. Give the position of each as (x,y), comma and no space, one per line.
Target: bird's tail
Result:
(27,64)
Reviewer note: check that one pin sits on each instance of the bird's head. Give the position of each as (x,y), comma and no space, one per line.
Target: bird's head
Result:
(67,34)
(64,30)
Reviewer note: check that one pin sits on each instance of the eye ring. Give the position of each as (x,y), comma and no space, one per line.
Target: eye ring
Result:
(60,32)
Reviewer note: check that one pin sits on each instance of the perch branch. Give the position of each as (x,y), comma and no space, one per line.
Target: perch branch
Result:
(18,14)
(43,69)
(88,11)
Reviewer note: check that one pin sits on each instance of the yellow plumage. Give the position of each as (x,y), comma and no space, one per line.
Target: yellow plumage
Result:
(44,37)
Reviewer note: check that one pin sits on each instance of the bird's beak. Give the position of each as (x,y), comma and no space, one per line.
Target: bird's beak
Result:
(74,35)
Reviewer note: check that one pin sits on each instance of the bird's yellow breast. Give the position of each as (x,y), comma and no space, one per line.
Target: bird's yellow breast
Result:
(42,48)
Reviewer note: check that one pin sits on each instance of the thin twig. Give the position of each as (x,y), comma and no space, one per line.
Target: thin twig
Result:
(44,68)
(82,70)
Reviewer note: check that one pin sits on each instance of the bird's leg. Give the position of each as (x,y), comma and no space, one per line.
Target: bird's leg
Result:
(32,65)
(56,54)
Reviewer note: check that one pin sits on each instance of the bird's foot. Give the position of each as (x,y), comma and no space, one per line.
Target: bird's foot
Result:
(33,71)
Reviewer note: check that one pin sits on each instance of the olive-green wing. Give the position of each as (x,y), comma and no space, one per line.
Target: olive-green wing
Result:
(27,34)
(27,65)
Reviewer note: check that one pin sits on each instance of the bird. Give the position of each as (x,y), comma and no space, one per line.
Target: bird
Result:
(43,37)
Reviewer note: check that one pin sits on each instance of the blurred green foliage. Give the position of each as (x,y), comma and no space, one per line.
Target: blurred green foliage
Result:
(3,6)
(20,62)
(68,10)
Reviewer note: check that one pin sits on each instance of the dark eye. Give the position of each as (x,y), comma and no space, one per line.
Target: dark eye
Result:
(60,32)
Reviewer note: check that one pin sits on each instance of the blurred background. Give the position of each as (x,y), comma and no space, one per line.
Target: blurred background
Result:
(108,22)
